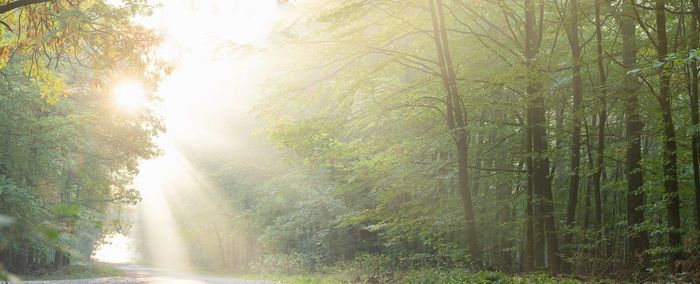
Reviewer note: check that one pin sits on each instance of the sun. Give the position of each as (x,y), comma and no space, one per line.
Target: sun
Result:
(130,95)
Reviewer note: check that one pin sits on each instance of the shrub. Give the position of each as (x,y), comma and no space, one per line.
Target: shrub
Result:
(281,264)
(425,276)
(371,268)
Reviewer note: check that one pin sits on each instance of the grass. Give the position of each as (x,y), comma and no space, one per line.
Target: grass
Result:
(418,276)
(83,271)
(427,276)
(298,279)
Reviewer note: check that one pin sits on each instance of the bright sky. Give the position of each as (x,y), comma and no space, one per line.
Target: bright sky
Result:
(212,88)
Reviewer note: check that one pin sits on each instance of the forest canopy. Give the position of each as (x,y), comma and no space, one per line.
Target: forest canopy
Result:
(511,135)
(67,154)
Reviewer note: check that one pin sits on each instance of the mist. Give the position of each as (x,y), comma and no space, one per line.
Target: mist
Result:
(336,141)
(207,104)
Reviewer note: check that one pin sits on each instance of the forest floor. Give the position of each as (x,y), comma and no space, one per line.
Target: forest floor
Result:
(140,274)
(130,273)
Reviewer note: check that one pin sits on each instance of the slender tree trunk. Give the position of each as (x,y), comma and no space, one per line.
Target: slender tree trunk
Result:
(503,217)
(670,159)
(456,122)
(58,259)
(602,119)
(543,207)
(503,257)
(222,250)
(539,172)
(587,212)
(694,113)
(638,241)
(477,173)
(577,91)
(531,248)
(548,213)
(536,171)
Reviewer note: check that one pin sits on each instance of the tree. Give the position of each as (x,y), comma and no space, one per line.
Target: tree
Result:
(670,156)
(694,112)
(577,91)
(68,152)
(638,240)
(456,121)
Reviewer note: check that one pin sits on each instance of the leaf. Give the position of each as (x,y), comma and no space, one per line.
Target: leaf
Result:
(65,210)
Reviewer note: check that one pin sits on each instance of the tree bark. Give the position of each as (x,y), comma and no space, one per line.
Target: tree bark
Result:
(531,248)
(503,192)
(637,240)
(577,91)
(456,123)
(602,119)
(670,159)
(543,207)
(694,113)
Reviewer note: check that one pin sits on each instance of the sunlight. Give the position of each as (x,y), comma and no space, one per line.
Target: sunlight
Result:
(116,249)
(165,247)
(209,81)
(129,95)
(321,141)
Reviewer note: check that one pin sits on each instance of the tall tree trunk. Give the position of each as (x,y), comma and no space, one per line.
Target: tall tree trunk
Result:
(531,246)
(535,173)
(694,113)
(477,172)
(456,123)
(222,250)
(638,241)
(503,192)
(669,135)
(577,91)
(543,207)
(602,118)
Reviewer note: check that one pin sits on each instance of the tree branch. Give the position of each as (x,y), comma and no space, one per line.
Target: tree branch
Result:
(18,4)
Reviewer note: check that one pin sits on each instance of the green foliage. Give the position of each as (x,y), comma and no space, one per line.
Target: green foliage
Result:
(297,279)
(484,277)
(291,264)
(67,154)
(84,271)
(369,177)
(365,116)
(371,268)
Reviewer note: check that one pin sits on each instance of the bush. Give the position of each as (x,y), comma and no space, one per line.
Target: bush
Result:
(290,264)
(371,268)
(448,276)
(84,271)
(425,276)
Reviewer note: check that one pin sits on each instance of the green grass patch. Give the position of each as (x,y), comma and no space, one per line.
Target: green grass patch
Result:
(426,276)
(297,279)
(86,271)
(419,276)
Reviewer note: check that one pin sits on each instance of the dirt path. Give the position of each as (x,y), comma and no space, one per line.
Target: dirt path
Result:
(140,274)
